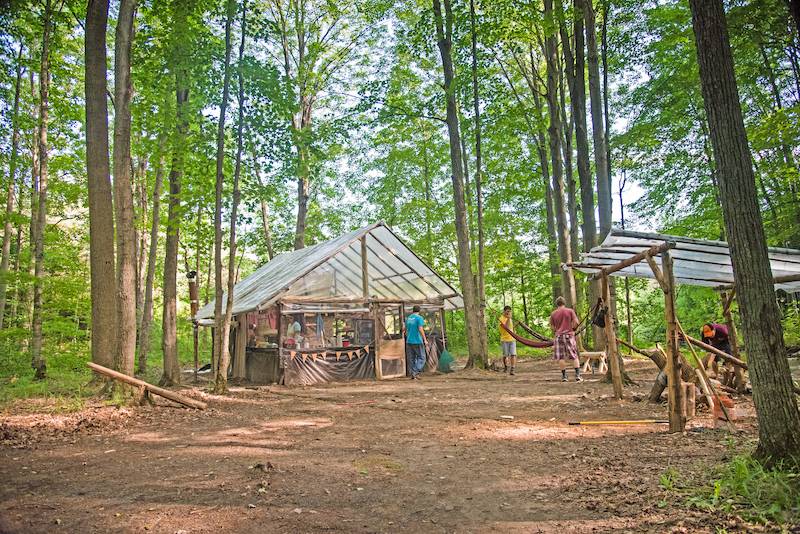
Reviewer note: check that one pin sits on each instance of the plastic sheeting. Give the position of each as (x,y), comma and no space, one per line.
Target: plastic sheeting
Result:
(695,261)
(332,269)
(308,371)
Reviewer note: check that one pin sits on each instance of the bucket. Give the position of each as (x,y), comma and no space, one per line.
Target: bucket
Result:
(728,403)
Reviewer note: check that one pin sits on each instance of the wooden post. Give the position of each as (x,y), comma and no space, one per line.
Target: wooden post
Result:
(677,420)
(612,351)
(727,302)
(379,332)
(194,306)
(364,269)
(442,317)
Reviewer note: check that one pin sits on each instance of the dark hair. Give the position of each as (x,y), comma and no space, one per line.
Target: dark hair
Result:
(561,302)
(506,308)
(416,308)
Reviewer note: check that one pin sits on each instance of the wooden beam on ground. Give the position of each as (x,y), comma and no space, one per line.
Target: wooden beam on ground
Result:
(655,250)
(677,420)
(713,350)
(612,351)
(167,394)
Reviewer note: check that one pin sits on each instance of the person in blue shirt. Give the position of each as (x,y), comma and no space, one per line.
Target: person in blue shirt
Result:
(415,339)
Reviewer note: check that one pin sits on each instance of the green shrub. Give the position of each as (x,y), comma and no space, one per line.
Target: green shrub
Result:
(746,488)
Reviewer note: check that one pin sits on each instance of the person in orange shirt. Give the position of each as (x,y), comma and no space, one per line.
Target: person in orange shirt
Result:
(507,340)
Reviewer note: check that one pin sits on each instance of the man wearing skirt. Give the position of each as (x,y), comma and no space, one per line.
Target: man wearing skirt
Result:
(563,321)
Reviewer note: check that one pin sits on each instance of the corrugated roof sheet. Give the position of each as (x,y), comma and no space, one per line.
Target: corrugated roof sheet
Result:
(333,268)
(698,262)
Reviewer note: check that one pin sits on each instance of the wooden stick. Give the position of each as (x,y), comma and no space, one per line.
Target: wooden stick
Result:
(167,394)
(724,355)
(704,387)
(783,279)
(630,422)
(612,351)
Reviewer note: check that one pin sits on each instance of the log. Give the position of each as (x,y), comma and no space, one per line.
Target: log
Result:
(167,394)
(713,350)
(655,250)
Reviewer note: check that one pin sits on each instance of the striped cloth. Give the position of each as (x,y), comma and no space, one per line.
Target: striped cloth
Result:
(565,347)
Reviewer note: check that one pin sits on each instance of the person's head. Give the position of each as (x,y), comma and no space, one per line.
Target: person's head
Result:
(561,302)
(416,308)
(708,330)
(507,311)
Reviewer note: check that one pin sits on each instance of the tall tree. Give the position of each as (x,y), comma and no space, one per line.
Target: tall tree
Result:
(474,318)
(776,406)
(147,311)
(481,286)
(598,130)
(221,384)
(221,329)
(169,319)
(125,352)
(101,211)
(555,133)
(12,178)
(37,358)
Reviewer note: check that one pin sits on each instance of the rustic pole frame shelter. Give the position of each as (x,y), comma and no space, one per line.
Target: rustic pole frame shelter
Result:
(672,260)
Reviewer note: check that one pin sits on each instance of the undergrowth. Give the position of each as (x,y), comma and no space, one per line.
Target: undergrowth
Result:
(745,488)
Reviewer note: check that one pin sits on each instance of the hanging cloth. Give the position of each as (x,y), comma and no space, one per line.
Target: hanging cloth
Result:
(527,342)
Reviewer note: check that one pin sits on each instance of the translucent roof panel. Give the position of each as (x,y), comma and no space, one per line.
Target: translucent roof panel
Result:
(695,261)
(333,269)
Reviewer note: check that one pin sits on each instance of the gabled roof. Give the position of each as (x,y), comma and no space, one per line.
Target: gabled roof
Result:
(699,262)
(333,269)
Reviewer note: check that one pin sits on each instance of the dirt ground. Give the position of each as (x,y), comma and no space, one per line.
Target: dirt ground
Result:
(436,455)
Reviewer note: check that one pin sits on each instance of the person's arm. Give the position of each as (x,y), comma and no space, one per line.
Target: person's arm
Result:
(422,331)
(575,322)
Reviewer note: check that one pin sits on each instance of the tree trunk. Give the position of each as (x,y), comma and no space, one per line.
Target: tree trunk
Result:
(472,311)
(302,131)
(37,358)
(481,285)
(554,131)
(569,122)
(265,218)
(147,307)
(544,165)
(169,321)
(140,180)
(25,291)
(125,353)
(776,406)
(598,130)
(223,322)
(101,210)
(12,175)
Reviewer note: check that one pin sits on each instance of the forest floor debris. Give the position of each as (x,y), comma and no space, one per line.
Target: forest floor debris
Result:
(393,456)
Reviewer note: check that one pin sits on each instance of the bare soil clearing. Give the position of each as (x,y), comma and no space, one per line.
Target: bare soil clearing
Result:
(393,456)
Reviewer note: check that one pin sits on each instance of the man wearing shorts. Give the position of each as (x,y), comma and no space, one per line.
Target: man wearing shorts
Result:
(507,340)
(563,321)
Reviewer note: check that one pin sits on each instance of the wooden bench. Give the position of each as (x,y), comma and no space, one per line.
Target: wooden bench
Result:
(591,357)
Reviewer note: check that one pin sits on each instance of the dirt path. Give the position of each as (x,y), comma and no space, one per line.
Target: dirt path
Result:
(396,456)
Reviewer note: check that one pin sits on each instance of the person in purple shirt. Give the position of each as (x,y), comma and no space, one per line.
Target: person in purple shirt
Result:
(717,336)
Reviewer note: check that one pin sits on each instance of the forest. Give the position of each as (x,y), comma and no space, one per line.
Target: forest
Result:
(148,146)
